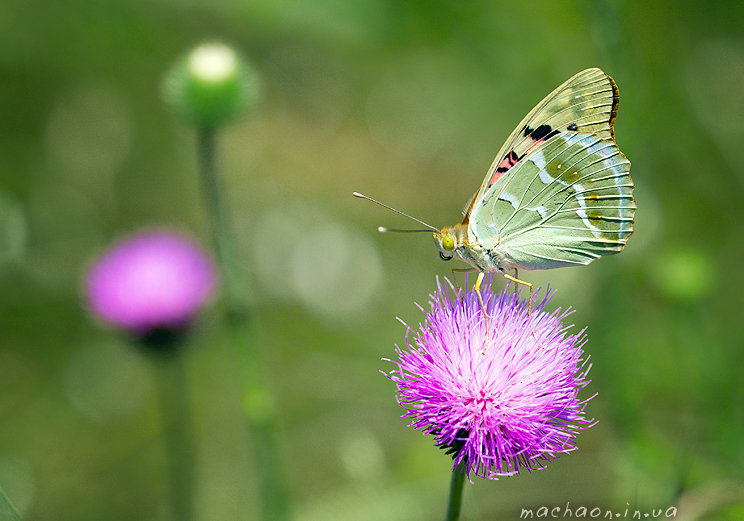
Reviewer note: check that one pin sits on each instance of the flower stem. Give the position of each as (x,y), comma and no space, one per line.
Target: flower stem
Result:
(177,434)
(8,504)
(258,403)
(455,496)
(222,232)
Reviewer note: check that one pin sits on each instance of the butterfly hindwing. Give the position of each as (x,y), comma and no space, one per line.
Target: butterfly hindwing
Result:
(586,103)
(567,202)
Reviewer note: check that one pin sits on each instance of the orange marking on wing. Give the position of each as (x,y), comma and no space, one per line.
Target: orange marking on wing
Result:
(470,208)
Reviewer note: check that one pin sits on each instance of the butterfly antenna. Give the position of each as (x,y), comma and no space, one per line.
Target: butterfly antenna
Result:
(383,229)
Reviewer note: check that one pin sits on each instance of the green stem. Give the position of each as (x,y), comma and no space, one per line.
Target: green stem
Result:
(258,403)
(222,232)
(455,495)
(177,435)
(5,500)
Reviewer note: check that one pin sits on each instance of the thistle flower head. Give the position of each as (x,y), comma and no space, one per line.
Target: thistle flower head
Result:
(150,281)
(499,401)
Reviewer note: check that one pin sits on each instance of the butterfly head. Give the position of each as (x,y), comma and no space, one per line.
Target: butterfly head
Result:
(449,239)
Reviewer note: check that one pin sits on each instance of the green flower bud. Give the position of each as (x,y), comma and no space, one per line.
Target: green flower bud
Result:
(211,85)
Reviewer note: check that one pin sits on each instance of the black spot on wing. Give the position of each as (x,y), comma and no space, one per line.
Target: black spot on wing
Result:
(573,127)
(541,132)
(551,134)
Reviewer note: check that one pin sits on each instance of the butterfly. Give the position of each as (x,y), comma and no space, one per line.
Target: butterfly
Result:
(558,193)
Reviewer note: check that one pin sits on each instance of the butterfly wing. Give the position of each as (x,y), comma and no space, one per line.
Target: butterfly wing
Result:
(585,103)
(567,202)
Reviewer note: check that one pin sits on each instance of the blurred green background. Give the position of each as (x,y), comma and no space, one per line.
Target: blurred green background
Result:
(407,102)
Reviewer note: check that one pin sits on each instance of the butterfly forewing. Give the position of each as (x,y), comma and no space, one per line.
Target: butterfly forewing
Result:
(586,103)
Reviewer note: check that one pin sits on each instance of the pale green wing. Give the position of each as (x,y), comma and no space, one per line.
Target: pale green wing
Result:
(585,103)
(567,202)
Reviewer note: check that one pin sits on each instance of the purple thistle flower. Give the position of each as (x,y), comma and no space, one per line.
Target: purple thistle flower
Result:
(514,406)
(149,281)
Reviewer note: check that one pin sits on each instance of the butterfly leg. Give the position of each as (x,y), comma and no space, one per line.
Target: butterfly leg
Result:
(460,270)
(483,307)
(514,279)
(516,276)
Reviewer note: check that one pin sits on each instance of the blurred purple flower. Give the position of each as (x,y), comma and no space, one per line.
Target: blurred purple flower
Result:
(152,280)
(514,406)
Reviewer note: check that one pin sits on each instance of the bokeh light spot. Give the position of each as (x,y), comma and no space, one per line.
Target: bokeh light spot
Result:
(88,136)
(335,270)
(329,267)
(362,455)
(685,274)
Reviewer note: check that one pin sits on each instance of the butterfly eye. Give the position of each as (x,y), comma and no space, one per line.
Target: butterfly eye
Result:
(444,257)
(448,243)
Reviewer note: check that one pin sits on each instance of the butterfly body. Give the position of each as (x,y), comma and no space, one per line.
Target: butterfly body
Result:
(558,193)
(472,253)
